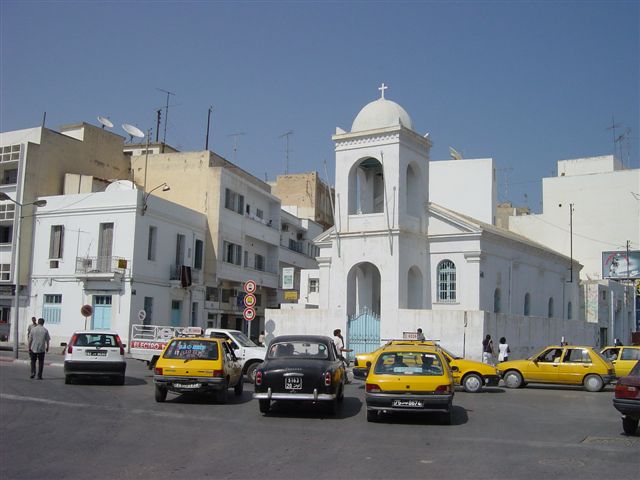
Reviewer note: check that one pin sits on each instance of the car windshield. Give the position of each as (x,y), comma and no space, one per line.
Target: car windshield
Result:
(449,354)
(409,363)
(190,349)
(635,371)
(242,339)
(299,349)
(95,340)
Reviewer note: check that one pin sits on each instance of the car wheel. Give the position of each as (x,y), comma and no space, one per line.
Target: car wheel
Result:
(372,415)
(593,383)
(119,380)
(239,388)
(161,394)
(341,394)
(513,379)
(221,395)
(472,383)
(265,406)
(448,417)
(251,372)
(629,425)
(68,379)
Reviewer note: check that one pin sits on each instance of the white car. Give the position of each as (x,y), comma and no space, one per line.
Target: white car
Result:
(95,353)
(249,354)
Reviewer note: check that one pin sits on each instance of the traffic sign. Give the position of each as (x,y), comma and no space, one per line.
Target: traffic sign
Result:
(142,315)
(86,310)
(249,314)
(250,286)
(249,300)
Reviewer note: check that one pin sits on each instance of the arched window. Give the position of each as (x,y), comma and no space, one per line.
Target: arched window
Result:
(497,308)
(550,309)
(446,281)
(527,304)
(366,187)
(569,311)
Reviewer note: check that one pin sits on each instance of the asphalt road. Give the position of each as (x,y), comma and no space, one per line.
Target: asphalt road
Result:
(96,430)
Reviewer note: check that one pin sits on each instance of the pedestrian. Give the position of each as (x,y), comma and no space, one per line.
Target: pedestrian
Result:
(38,344)
(420,336)
(338,341)
(34,323)
(503,350)
(261,339)
(617,342)
(487,350)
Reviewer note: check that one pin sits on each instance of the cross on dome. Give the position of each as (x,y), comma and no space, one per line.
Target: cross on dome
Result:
(382,88)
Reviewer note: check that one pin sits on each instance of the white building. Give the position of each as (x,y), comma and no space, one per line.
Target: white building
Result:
(120,251)
(396,260)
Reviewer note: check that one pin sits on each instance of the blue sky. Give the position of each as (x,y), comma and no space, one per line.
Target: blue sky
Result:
(527,83)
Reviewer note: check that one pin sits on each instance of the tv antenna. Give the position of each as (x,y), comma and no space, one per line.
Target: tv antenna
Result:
(613,127)
(132,131)
(235,143)
(286,150)
(623,141)
(506,171)
(166,113)
(105,122)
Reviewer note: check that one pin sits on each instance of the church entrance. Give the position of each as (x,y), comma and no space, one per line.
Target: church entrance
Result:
(363,308)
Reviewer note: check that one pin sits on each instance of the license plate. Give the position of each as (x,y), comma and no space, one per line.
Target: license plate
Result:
(99,353)
(293,383)
(408,403)
(186,385)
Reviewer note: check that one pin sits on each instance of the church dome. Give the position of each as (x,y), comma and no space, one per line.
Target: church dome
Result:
(381,113)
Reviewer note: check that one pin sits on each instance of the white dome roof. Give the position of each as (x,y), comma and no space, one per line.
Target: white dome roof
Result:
(381,113)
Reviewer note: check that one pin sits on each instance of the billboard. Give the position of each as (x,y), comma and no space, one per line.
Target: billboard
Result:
(620,265)
(287,278)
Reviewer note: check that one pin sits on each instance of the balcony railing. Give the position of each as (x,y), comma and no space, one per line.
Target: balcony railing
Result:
(106,264)
(185,275)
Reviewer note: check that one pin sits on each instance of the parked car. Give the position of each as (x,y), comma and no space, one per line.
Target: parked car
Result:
(249,354)
(623,358)
(409,378)
(300,368)
(471,375)
(95,353)
(627,399)
(197,365)
(569,365)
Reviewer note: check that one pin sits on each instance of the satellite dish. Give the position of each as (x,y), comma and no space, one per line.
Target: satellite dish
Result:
(105,122)
(132,131)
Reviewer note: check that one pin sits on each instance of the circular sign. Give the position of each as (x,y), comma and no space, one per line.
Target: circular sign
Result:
(249,314)
(142,315)
(250,286)
(86,310)
(249,300)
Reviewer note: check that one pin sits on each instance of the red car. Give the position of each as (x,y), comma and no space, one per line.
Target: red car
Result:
(627,400)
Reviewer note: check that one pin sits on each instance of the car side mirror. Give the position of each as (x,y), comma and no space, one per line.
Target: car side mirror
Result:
(455,369)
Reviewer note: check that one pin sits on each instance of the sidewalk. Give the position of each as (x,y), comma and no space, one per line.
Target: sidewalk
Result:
(54,358)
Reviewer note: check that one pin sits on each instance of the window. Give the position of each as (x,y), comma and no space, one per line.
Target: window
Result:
(527,304)
(226,294)
(176,307)
(259,262)
(314,285)
(604,295)
(5,271)
(259,213)
(151,246)
(5,314)
(7,211)
(550,309)
(569,311)
(56,241)
(180,239)
(630,354)
(446,281)
(148,308)
(10,177)
(233,201)
(10,153)
(212,294)
(52,308)
(232,253)
(497,307)
(577,355)
(6,233)
(197,260)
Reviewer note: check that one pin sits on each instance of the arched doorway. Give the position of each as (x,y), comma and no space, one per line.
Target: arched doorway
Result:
(414,288)
(363,308)
(366,187)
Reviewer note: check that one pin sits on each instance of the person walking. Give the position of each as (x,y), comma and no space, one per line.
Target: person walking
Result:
(38,345)
(420,336)
(261,339)
(338,340)
(487,350)
(503,350)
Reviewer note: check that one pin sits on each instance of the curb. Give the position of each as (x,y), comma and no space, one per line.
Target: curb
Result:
(28,362)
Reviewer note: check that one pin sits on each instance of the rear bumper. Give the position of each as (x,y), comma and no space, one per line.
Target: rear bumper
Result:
(190,384)
(307,397)
(431,403)
(94,368)
(627,407)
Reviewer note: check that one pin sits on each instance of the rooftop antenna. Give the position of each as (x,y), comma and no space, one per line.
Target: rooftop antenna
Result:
(613,127)
(623,141)
(166,116)
(455,155)
(132,131)
(506,171)
(105,122)
(235,143)
(206,142)
(286,158)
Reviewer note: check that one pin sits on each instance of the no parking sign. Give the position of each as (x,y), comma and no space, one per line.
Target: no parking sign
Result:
(249,314)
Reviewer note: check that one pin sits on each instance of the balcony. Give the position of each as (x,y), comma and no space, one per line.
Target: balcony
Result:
(101,268)
(184,276)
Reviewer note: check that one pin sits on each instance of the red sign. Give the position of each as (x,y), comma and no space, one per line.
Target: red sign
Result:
(86,310)
(249,314)
(147,345)
(249,300)
(250,286)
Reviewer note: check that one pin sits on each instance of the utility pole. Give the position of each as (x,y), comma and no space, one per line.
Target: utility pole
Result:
(166,116)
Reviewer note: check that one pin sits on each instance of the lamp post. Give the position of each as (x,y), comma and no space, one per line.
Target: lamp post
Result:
(165,188)
(16,296)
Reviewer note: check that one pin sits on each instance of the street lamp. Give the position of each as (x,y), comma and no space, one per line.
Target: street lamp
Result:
(16,296)
(165,188)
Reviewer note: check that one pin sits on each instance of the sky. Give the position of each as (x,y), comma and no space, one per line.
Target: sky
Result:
(526,83)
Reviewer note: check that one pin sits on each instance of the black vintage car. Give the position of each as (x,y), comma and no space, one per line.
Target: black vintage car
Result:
(300,368)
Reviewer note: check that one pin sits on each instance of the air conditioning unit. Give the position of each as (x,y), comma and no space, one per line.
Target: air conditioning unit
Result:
(54,263)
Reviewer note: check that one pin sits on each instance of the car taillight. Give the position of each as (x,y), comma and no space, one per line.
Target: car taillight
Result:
(258,379)
(120,344)
(443,389)
(71,343)
(158,370)
(372,388)
(327,379)
(627,391)
(218,373)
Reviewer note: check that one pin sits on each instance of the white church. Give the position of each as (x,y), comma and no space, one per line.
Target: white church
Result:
(414,246)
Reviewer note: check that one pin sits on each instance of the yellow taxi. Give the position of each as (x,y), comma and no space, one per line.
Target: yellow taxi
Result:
(197,365)
(622,357)
(471,375)
(568,365)
(409,378)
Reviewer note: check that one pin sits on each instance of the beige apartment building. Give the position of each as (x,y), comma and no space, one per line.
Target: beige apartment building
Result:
(305,195)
